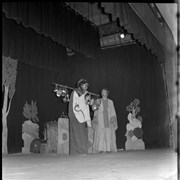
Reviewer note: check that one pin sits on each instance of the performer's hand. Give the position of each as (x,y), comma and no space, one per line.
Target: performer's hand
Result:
(89,123)
(91,102)
(85,92)
(77,108)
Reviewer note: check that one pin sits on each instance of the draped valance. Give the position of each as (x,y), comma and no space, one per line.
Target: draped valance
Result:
(31,48)
(58,22)
(133,24)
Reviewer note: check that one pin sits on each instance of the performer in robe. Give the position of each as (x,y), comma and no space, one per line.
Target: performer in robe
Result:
(79,115)
(105,125)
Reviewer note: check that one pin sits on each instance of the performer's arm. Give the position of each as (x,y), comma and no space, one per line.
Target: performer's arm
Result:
(113,119)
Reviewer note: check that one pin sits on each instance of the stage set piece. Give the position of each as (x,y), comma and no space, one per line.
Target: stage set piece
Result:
(58,136)
(134,130)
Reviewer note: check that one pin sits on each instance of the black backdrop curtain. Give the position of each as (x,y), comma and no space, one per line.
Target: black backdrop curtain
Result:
(129,72)
(27,46)
(59,23)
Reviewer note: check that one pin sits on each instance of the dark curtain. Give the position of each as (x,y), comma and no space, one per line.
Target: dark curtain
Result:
(129,72)
(133,24)
(56,21)
(40,62)
(27,46)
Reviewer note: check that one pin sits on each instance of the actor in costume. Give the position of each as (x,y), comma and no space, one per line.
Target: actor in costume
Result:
(105,125)
(79,115)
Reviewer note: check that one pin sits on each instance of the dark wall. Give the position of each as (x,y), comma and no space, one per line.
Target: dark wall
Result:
(129,72)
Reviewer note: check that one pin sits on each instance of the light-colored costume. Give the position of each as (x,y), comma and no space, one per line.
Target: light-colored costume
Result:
(105,125)
(81,108)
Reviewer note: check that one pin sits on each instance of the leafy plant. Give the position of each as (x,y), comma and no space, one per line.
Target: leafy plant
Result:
(30,111)
(134,105)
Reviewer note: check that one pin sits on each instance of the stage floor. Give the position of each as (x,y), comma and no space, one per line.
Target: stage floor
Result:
(156,164)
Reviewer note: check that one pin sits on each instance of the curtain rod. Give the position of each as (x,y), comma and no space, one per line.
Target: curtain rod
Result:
(64,86)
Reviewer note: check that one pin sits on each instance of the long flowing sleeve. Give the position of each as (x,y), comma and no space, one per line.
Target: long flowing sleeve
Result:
(114,126)
(113,117)
(95,120)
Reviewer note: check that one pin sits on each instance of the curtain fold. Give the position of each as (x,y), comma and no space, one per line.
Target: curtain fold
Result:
(57,22)
(133,24)
(27,46)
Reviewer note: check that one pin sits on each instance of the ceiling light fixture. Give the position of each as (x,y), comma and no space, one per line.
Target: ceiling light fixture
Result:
(122,35)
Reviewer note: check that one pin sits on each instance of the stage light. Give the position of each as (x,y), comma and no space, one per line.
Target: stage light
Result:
(56,88)
(59,93)
(62,92)
(122,35)
(66,98)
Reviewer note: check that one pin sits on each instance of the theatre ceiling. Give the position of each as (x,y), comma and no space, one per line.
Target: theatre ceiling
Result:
(110,32)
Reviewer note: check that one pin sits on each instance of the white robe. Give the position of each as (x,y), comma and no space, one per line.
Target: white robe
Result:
(80,108)
(105,138)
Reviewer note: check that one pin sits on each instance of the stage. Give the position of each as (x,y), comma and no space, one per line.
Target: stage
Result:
(157,164)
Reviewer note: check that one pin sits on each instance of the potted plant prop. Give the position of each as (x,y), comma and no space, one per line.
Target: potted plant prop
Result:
(134,130)
(30,127)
